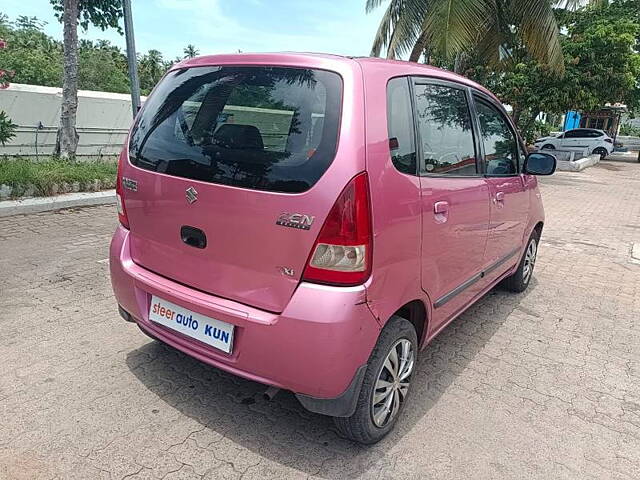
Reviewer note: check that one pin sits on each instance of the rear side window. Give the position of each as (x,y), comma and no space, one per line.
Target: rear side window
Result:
(445,129)
(400,125)
(263,128)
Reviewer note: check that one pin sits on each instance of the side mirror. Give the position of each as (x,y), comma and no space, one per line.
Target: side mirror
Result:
(539,163)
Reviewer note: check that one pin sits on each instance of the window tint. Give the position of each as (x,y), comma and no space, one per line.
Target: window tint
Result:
(446,134)
(264,128)
(500,144)
(570,134)
(583,133)
(400,125)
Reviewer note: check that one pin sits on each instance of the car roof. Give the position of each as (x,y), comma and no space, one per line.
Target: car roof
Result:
(587,129)
(402,67)
(371,66)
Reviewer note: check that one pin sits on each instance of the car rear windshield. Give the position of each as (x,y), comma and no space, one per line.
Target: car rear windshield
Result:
(263,128)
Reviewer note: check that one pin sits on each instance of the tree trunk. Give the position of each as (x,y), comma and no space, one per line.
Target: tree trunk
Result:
(67,134)
(418,48)
(458,63)
(515,115)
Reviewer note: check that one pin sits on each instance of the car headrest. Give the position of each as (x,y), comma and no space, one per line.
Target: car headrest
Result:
(233,135)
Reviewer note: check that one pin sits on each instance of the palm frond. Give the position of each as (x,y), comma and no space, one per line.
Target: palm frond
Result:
(408,27)
(419,47)
(372,5)
(490,45)
(575,4)
(399,26)
(454,25)
(539,31)
(385,29)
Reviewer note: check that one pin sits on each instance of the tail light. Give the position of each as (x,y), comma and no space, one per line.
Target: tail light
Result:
(122,212)
(608,140)
(342,252)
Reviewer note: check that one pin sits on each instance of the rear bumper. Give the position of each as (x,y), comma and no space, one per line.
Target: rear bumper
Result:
(315,347)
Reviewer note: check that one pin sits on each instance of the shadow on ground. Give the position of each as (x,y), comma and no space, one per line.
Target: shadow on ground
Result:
(281,430)
(621,157)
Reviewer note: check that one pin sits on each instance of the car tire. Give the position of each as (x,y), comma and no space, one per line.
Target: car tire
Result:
(519,281)
(385,382)
(603,152)
(548,146)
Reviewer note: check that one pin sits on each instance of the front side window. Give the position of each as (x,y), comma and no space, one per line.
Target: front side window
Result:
(263,128)
(500,144)
(446,133)
(400,126)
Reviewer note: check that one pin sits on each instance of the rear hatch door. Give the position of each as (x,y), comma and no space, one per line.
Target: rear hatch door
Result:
(229,170)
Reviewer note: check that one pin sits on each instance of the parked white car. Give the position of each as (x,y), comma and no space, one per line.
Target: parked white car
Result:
(597,141)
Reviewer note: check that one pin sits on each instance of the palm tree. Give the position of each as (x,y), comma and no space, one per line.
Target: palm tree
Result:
(190,51)
(152,66)
(449,28)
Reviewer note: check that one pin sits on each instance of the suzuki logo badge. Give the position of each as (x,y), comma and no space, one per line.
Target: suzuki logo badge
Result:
(192,195)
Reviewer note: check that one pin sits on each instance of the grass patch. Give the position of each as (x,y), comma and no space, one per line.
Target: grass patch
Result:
(55,175)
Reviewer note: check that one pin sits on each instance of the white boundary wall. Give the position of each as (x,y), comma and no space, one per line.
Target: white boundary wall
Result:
(102,123)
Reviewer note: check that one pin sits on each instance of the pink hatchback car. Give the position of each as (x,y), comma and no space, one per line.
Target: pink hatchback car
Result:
(310,222)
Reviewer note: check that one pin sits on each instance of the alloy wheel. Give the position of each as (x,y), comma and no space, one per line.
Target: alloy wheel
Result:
(392,384)
(529,260)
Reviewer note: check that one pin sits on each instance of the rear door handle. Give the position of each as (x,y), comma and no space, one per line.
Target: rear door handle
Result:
(441,211)
(440,207)
(499,197)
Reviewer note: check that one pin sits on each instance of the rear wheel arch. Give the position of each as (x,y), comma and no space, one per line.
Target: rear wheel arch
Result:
(602,151)
(538,228)
(415,312)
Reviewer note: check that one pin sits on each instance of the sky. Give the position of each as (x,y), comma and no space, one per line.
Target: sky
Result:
(225,26)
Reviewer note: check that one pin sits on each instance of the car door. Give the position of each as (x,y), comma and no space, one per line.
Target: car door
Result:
(566,139)
(501,158)
(454,198)
(574,139)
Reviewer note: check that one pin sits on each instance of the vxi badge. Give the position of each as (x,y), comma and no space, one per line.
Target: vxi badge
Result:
(295,220)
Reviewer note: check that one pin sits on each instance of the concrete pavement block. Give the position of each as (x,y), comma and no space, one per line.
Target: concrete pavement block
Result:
(44,204)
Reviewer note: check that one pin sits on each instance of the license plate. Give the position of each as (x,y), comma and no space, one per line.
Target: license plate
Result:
(206,329)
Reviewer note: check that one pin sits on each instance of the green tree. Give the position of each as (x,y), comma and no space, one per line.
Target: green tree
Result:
(601,50)
(37,59)
(100,13)
(151,69)
(451,28)
(102,67)
(34,57)
(7,127)
(190,51)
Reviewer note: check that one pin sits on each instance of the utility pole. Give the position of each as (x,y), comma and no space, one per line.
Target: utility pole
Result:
(131,56)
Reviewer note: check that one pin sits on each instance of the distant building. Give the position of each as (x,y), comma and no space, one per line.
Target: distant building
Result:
(607,119)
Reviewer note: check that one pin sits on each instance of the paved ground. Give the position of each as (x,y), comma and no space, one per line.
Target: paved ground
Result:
(540,385)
